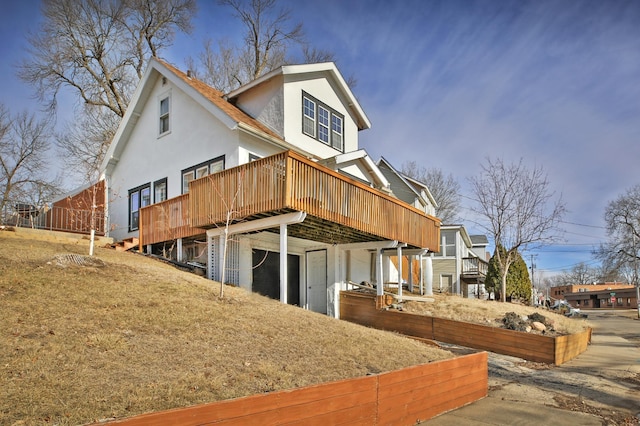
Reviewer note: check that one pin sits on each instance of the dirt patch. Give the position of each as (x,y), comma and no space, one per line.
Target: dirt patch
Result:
(609,417)
(72,259)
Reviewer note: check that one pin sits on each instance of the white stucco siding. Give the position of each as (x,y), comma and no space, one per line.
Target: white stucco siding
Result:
(195,136)
(265,103)
(359,266)
(250,145)
(321,89)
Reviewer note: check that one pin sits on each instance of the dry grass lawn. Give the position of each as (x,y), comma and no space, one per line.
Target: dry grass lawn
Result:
(127,335)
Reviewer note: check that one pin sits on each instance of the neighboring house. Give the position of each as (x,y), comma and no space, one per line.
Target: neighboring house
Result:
(415,267)
(274,164)
(460,267)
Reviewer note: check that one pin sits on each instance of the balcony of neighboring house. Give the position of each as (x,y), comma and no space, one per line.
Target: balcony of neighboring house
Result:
(474,270)
(62,216)
(339,209)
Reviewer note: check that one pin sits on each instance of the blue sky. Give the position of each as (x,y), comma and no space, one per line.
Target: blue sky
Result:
(448,83)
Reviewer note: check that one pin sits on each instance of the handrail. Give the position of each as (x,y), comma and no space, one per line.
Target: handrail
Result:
(289,181)
(474,265)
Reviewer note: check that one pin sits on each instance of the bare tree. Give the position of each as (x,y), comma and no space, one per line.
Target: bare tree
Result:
(268,36)
(579,274)
(83,143)
(515,207)
(444,188)
(621,251)
(99,48)
(24,148)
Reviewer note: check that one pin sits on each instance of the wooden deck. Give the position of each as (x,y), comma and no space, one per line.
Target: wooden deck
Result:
(339,209)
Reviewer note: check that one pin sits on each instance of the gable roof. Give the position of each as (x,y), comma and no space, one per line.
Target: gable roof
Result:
(329,69)
(363,161)
(459,228)
(209,98)
(411,188)
(423,187)
(479,240)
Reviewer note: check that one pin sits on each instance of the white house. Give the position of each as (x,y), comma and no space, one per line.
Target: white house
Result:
(275,164)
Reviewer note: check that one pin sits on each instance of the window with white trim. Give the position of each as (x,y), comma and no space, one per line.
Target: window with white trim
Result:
(322,123)
(138,197)
(164,115)
(309,117)
(160,190)
(201,170)
(447,245)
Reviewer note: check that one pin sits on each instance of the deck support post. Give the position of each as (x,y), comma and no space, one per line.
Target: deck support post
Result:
(179,249)
(283,263)
(428,273)
(399,254)
(410,272)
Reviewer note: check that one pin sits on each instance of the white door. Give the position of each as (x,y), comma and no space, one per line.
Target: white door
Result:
(317,281)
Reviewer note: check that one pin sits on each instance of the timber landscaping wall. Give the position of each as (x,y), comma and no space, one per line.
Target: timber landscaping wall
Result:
(361,308)
(401,397)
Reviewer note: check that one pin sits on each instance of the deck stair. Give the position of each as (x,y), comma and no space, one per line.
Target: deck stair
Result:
(126,244)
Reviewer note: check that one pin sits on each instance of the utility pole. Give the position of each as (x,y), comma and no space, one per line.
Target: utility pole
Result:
(635,270)
(533,287)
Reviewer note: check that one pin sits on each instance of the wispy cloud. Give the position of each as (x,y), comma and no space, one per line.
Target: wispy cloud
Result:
(556,83)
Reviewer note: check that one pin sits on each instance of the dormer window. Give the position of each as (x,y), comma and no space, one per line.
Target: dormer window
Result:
(322,123)
(336,132)
(309,120)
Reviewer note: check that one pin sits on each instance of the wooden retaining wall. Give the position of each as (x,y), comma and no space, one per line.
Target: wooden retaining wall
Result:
(401,397)
(361,309)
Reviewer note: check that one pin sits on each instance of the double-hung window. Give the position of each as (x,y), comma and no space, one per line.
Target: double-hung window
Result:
(336,132)
(309,117)
(164,115)
(322,123)
(447,245)
(200,170)
(138,197)
(160,190)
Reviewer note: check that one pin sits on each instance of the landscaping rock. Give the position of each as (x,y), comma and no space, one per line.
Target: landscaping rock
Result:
(539,326)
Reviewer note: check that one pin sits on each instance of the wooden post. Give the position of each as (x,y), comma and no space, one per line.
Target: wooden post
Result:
(283,263)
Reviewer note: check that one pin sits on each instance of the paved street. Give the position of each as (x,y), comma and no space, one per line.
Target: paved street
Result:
(599,387)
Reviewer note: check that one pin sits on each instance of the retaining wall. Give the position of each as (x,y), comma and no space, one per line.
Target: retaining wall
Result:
(361,308)
(401,397)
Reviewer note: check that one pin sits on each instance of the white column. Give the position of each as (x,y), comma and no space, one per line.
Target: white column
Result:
(399,254)
(410,272)
(179,249)
(283,263)
(428,274)
(379,274)
(421,275)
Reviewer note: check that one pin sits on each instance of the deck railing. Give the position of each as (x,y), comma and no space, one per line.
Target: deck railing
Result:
(168,220)
(53,218)
(288,181)
(474,266)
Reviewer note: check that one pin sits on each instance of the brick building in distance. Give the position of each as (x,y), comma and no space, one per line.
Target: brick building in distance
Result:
(597,296)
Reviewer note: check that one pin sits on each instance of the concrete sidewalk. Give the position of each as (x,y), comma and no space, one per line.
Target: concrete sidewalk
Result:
(496,411)
(601,383)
